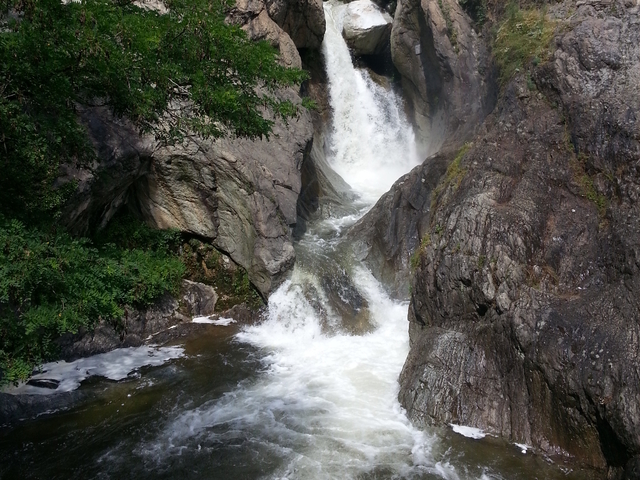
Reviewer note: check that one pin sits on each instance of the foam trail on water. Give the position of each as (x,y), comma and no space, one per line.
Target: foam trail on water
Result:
(326,404)
(371,143)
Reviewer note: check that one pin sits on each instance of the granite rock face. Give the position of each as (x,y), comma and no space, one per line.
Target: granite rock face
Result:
(446,69)
(524,305)
(241,194)
(302,20)
(238,193)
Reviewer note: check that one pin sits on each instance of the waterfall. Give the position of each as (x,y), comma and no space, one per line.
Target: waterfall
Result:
(371,143)
(326,405)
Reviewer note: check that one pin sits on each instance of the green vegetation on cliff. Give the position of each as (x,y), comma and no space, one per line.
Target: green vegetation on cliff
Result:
(523,37)
(173,75)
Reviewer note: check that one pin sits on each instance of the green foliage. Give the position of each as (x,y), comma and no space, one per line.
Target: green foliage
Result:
(175,74)
(451,31)
(476,9)
(415,258)
(453,176)
(51,283)
(126,232)
(524,36)
(587,187)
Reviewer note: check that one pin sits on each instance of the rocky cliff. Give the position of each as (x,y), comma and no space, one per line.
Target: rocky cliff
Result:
(239,194)
(446,69)
(524,308)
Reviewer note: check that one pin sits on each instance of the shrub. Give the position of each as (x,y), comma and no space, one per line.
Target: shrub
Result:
(52,283)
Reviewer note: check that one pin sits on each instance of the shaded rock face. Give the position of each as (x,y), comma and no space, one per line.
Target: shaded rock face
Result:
(286,24)
(140,326)
(447,74)
(366,28)
(390,232)
(302,20)
(524,311)
(239,193)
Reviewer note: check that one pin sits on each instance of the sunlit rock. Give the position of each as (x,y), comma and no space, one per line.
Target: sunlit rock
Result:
(366,28)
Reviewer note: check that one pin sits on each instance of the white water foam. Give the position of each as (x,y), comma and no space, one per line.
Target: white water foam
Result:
(222,321)
(327,404)
(371,143)
(115,365)
(469,432)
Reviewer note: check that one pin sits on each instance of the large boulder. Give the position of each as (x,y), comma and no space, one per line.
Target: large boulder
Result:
(366,28)
(524,305)
(446,70)
(241,194)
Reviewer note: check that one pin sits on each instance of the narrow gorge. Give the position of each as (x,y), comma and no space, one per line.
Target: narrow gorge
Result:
(430,270)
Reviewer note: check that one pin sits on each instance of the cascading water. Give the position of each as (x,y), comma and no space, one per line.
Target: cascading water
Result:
(311,392)
(371,142)
(326,406)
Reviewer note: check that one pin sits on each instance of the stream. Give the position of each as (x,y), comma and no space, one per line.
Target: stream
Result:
(310,392)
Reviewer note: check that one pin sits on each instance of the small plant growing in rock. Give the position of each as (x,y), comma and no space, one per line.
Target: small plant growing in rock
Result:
(524,36)
(415,258)
(451,31)
(454,175)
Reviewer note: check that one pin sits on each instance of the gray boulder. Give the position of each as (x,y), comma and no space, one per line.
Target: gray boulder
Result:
(366,28)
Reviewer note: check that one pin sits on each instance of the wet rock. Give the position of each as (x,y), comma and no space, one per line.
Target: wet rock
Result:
(17,408)
(523,314)
(138,327)
(446,69)
(366,28)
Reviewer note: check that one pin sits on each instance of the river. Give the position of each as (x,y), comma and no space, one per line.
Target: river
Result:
(310,392)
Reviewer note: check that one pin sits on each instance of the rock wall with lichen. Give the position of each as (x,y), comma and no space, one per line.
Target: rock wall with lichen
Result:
(524,252)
